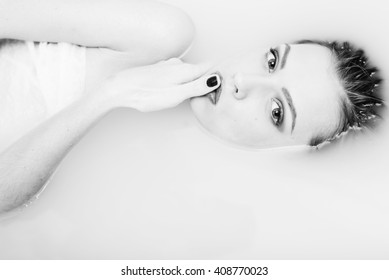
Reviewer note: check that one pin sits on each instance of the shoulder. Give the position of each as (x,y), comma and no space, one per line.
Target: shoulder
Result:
(177,32)
(153,29)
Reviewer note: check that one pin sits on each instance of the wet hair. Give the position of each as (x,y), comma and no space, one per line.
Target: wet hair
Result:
(361,82)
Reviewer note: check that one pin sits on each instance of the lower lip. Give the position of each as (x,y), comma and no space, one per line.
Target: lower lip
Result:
(214,96)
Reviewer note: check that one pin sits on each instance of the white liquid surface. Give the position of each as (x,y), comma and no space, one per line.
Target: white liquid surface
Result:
(155,186)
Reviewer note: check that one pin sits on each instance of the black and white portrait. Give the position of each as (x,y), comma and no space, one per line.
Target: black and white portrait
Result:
(208,129)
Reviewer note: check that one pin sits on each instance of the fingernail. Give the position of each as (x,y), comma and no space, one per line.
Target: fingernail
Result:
(213,81)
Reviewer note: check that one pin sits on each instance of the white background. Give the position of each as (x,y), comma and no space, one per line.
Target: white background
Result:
(156,186)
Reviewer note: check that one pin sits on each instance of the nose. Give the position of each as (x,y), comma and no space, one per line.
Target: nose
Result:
(246,84)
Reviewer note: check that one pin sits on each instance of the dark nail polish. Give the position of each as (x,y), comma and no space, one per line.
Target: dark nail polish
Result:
(212,81)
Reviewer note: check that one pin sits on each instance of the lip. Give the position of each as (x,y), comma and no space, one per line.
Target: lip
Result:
(214,96)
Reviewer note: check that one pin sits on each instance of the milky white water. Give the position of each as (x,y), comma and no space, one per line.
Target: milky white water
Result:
(156,186)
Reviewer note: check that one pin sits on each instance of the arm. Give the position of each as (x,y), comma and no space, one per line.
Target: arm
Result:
(26,166)
(138,27)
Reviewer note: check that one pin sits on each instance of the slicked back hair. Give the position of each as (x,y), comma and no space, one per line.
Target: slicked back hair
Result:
(361,83)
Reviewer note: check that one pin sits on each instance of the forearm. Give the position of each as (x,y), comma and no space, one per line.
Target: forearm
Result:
(26,166)
(125,25)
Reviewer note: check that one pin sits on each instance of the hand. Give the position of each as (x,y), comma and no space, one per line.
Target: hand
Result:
(160,86)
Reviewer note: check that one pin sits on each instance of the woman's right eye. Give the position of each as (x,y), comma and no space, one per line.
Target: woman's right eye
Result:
(277,111)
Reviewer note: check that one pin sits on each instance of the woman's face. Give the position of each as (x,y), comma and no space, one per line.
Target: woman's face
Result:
(270,98)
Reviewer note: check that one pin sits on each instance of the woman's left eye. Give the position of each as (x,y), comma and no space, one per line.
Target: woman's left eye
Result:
(277,111)
(272,59)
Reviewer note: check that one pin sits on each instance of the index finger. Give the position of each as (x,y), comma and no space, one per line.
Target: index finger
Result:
(189,72)
(198,87)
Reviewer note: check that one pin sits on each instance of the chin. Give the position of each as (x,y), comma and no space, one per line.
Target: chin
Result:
(199,107)
(204,112)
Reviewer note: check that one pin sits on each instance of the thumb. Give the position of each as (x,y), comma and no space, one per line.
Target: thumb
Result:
(199,87)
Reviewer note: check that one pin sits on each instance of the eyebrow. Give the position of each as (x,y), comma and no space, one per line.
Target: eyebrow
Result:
(285,56)
(291,106)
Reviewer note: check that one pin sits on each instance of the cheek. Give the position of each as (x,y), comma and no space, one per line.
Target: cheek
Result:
(206,114)
(243,123)
(199,109)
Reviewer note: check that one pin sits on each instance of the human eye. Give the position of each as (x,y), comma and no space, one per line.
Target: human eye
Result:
(272,60)
(277,111)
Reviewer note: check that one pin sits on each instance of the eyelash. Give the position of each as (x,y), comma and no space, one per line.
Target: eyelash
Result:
(274,60)
(278,109)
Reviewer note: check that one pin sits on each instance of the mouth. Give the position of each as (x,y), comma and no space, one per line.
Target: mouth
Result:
(214,96)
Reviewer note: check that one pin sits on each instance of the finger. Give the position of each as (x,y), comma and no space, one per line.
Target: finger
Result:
(199,87)
(182,73)
(188,72)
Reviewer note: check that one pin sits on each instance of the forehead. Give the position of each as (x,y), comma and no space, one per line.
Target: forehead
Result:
(311,78)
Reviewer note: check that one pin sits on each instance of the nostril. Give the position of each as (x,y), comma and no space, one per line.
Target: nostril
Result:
(238,94)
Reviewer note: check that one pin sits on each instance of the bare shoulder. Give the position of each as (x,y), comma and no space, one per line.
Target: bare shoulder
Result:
(153,25)
(133,26)
(168,33)
(155,31)
(143,33)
